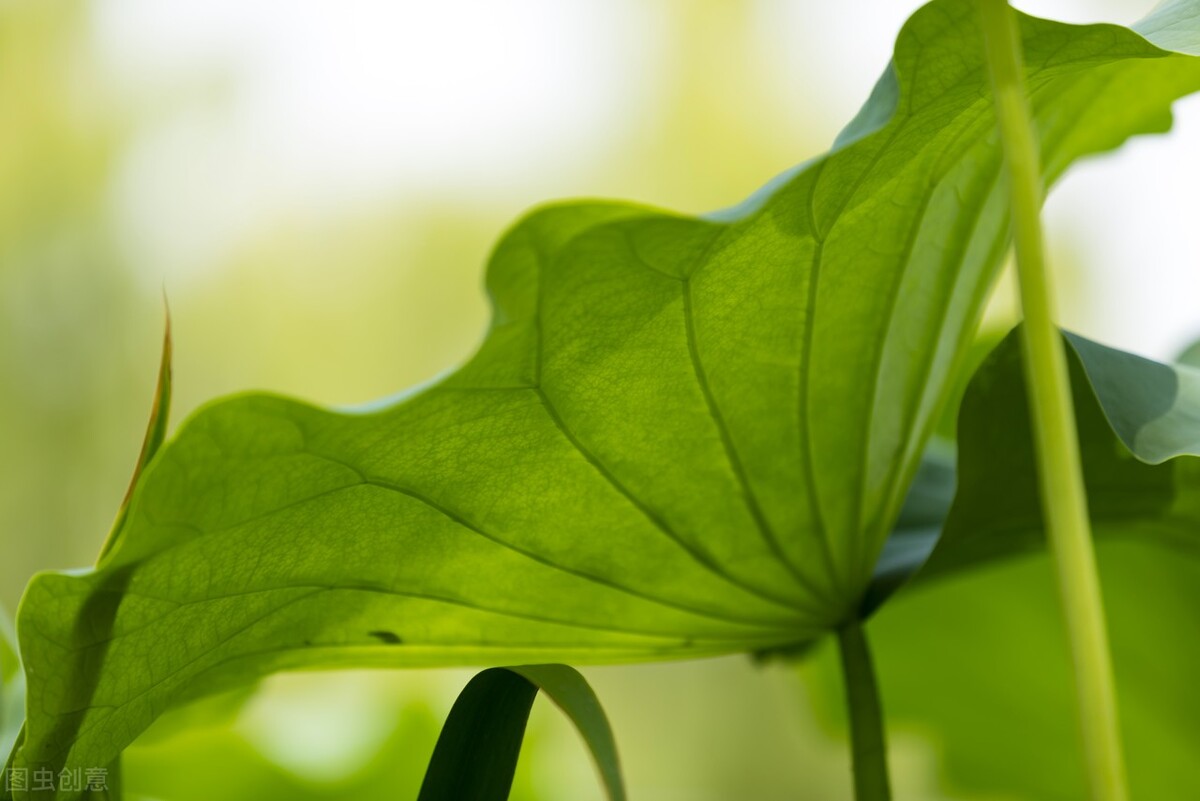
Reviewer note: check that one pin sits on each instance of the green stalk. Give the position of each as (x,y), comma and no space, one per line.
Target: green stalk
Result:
(1060,474)
(868,746)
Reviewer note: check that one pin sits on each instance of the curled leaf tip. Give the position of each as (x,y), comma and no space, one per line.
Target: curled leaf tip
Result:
(156,427)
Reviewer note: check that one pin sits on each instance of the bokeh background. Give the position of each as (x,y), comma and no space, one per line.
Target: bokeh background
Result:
(315,186)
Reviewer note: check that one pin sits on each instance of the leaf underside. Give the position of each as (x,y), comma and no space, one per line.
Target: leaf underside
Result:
(950,642)
(681,437)
(1139,431)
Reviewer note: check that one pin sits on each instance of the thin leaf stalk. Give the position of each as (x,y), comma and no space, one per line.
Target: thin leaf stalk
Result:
(1056,443)
(868,742)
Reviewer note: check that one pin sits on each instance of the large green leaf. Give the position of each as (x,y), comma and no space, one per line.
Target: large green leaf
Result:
(937,638)
(976,664)
(1135,417)
(681,437)
(918,528)
(990,645)
(476,755)
(1133,414)
(1154,408)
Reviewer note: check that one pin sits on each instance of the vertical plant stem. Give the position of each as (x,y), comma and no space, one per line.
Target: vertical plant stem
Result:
(1060,474)
(868,746)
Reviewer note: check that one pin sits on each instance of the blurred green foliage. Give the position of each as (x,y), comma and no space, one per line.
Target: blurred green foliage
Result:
(70,397)
(978,666)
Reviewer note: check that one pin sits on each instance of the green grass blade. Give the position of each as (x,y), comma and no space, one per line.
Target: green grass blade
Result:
(156,433)
(476,755)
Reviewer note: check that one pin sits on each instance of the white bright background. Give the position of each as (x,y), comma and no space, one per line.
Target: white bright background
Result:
(509,102)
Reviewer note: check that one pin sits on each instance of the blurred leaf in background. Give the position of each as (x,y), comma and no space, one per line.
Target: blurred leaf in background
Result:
(977,666)
(220,761)
(980,663)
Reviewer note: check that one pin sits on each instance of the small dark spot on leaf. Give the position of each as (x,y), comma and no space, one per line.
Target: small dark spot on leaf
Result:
(386,637)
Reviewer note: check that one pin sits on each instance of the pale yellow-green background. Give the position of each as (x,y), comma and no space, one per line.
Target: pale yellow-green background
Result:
(316,186)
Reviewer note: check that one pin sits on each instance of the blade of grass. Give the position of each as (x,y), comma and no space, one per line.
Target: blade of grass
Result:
(476,755)
(156,430)
(1060,475)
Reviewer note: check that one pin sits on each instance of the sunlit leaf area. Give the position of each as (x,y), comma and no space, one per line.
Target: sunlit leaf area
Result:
(405,397)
